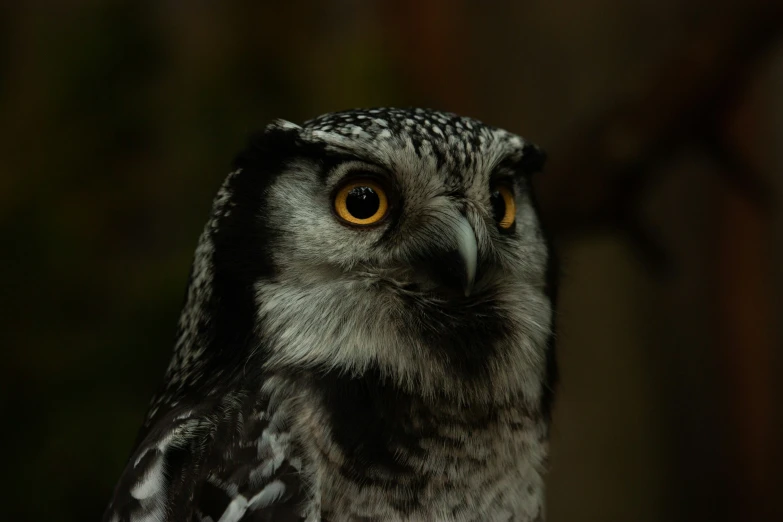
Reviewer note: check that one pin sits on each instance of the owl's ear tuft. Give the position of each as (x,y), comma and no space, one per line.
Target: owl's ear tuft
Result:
(533,159)
(268,149)
(280,124)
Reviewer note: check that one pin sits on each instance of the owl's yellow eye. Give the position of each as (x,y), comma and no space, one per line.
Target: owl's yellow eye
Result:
(361,202)
(504,209)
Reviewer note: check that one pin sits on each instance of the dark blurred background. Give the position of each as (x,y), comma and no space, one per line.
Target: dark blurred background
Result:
(663,121)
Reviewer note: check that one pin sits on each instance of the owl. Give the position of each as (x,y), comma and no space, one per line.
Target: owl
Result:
(367,333)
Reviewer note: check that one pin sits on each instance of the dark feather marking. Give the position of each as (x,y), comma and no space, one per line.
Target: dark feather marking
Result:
(451,330)
(377,425)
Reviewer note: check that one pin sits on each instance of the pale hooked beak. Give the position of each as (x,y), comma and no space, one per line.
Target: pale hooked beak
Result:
(448,263)
(468,251)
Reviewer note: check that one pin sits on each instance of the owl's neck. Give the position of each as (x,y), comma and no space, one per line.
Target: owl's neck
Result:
(423,453)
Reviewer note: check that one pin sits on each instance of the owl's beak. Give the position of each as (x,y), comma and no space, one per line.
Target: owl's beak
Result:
(468,251)
(449,262)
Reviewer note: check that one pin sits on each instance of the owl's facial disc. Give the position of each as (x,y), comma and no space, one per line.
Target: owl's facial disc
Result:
(406,242)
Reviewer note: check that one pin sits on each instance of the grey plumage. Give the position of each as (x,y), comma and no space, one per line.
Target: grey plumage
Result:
(324,370)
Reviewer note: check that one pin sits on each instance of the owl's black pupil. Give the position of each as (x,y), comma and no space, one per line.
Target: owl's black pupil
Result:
(498,205)
(362,202)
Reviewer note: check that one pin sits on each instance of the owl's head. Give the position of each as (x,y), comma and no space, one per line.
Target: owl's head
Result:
(402,242)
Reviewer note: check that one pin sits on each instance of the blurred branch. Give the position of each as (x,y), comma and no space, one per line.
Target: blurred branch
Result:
(600,179)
